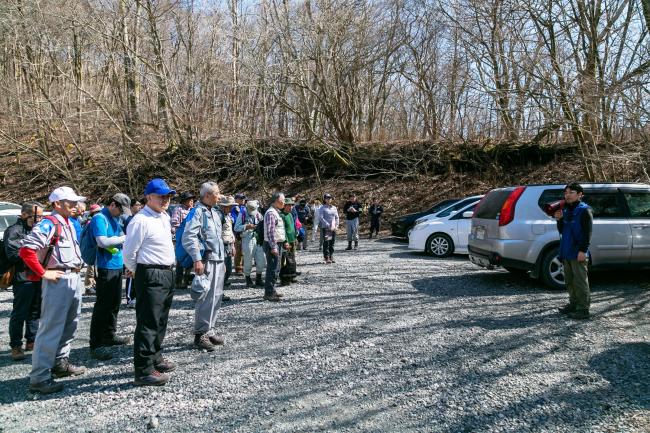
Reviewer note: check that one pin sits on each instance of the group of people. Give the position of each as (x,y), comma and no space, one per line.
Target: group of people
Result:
(197,246)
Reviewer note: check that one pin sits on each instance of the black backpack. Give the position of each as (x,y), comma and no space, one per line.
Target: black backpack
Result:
(259,232)
(5,265)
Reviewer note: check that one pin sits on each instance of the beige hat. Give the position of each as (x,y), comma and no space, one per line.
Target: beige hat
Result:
(227,200)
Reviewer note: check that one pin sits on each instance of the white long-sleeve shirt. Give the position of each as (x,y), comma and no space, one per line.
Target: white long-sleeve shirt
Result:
(148,240)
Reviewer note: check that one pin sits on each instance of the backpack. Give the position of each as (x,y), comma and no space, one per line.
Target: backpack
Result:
(5,265)
(50,248)
(88,245)
(182,256)
(259,232)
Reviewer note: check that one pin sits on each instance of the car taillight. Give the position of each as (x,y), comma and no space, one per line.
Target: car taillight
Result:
(508,209)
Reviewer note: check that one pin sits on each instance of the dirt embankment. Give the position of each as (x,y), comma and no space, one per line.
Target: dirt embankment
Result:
(404,176)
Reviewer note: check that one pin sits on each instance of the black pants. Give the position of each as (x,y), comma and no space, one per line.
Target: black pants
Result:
(103,323)
(227,261)
(272,268)
(374,226)
(183,275)
(155,290)
(328,246)
(25,313)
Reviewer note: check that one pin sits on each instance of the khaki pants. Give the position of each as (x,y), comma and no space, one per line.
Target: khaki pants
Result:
(577,284)
(239,257)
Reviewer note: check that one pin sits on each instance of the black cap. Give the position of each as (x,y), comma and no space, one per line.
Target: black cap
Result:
(327,195)
(185,196)
(240,196)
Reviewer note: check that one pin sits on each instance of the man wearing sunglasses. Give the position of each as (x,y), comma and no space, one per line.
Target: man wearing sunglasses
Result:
(27,294)
(51,252)
(106,228)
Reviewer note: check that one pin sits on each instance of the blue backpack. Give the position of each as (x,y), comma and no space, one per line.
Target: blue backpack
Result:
(182,256)
(88,245)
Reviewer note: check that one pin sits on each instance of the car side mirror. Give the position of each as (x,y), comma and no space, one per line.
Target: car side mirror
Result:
(468,214)
(453,212)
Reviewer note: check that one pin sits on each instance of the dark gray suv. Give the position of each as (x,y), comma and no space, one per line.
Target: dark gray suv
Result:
(511,229)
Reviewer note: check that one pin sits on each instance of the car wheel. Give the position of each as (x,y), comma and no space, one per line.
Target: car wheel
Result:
(552,271)
(440,245)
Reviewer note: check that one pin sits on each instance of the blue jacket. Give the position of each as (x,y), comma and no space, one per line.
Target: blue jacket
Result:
(575,228)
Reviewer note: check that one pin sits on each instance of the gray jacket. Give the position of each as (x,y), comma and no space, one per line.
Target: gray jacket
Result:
(251,218)
(204,227)
(328,214)
(66,254)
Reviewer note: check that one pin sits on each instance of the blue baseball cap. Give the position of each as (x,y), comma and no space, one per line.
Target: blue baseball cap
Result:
(158,186)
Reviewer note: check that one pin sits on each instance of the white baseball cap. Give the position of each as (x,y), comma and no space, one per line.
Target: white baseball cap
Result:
(65,193)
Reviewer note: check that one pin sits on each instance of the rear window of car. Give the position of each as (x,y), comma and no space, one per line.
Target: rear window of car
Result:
(550,196)
(491,205)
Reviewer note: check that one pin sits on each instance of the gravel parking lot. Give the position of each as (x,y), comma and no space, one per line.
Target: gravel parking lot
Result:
(383,340)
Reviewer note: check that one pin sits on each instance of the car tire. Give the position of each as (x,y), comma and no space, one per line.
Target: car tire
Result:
(552,273)
(439,245)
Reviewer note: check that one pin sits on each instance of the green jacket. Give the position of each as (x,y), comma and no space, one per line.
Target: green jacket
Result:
(289,226)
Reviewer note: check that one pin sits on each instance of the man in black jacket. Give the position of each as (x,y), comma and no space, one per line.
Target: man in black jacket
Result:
(375,212)
(352,210)
(27,294)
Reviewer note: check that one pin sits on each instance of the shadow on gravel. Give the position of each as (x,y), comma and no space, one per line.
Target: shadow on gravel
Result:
(626,368)
(16,390)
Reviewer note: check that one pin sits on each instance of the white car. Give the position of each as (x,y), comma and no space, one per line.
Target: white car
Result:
(7,218)
(444,236)
(450,210)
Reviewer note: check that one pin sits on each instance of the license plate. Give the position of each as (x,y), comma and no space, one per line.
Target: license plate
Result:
(479,233)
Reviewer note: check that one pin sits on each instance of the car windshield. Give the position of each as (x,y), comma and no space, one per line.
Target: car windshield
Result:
(455,207)
(442,205)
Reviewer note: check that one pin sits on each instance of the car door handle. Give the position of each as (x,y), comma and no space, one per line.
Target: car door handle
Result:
(641,227)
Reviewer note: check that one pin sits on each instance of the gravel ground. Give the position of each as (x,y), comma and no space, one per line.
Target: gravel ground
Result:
(383,340)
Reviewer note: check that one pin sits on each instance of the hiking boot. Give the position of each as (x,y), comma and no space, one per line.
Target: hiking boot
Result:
(327,260)
(202,342)
(356,244)
(117,341)
(349,246)
(29,346)
(130,304)
(568,308)
(165,366)
(284,283)
(46,387)
(579,315)
(65,369)
(154,379)
(17,353)
(273,298)
(217,340)
(249,282)
(101,353)
(225,298)
(294,280)
(258,281)
(332,260)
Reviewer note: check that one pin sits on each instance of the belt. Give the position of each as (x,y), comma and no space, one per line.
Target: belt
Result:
(163,267)
(66,270)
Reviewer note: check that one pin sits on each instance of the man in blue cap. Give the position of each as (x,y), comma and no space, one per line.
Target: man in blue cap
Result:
(149,255)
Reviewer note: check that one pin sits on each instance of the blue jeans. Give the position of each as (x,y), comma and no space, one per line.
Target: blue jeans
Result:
(25,313)
(272,268)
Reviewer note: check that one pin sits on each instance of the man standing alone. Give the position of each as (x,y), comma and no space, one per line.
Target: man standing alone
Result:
(352,209)
(149,255)
(574,223)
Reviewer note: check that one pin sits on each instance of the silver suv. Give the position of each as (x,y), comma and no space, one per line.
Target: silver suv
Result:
(511,229)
